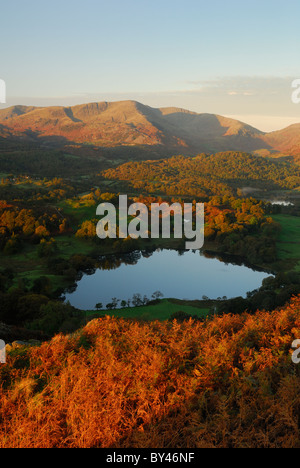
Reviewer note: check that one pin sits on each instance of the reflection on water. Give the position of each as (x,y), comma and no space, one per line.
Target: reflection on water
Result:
(181,275)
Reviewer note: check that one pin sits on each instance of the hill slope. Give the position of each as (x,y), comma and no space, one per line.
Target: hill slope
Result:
(129,123)
(227,382)
(286,140)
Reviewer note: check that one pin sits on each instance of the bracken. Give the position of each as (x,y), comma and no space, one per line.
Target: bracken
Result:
(227,382)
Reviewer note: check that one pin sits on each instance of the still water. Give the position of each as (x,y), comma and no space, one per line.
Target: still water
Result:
(187,275)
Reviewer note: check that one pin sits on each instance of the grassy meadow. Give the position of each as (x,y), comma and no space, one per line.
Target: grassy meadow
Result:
(163,310)
(288,243)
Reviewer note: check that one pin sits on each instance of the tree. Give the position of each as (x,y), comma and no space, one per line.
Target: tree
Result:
(115,302)
(47,249)
(12,246)
(29,307)
(87,230)
(157,295)
(57,317)
(145,300)
(99,306)
(180,316)
(137,300)
(42,231)
(42,285)
(63,227)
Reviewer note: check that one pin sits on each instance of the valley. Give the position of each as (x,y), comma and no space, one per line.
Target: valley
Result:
(48,232)
(142,323)
(149,227)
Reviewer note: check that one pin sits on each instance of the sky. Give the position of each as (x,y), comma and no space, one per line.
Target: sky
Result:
(231,57)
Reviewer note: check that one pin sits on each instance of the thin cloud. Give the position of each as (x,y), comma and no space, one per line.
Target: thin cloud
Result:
(264,102)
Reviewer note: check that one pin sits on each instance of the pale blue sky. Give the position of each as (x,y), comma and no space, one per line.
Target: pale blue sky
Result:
(209,56)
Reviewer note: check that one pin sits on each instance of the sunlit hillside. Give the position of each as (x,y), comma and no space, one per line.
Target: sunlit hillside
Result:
(132,124)
(226,382)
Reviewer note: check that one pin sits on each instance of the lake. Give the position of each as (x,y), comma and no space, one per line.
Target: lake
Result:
(186,275)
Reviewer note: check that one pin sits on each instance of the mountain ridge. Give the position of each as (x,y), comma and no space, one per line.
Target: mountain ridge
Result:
(130,123)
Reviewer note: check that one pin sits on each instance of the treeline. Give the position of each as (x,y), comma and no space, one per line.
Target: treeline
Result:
(233,224)
(48,163)
(30,189)
(242,227)
(19,225)
(205,175)
(34,305)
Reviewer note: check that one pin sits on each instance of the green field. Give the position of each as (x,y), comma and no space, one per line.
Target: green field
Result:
(288,243)
(161,311)
(28,266)
(78,214)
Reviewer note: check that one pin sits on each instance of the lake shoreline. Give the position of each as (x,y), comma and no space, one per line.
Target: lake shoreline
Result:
(193,273)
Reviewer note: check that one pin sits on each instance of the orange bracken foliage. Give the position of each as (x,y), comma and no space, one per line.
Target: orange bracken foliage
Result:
(226,382)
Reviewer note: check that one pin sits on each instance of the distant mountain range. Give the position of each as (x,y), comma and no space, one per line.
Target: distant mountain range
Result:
(131,124)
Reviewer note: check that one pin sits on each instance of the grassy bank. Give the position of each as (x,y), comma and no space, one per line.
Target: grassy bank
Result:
(288,243)
(160,311)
